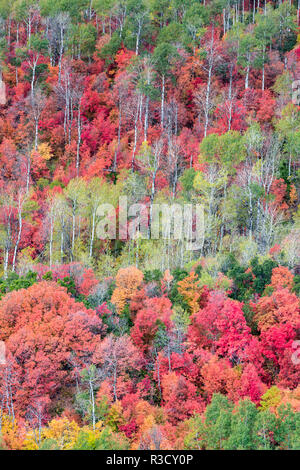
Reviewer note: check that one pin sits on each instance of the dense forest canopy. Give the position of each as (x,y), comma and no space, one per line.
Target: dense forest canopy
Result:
(134,342)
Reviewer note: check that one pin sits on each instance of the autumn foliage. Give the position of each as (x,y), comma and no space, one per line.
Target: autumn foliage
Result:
(117,118)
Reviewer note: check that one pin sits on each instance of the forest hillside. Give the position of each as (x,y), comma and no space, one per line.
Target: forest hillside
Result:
(112,338)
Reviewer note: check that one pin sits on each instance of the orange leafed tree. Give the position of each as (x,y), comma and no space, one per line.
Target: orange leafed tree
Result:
(167,280)
(219,377)
(190,290)
(282,277)
(128,280)
(281,307)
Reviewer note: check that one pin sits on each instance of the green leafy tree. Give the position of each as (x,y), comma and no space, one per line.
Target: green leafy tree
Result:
(264,429)
(242,427)
(164,56)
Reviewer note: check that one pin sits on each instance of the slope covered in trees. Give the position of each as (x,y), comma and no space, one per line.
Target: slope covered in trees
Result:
(134,342)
